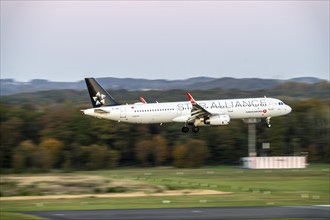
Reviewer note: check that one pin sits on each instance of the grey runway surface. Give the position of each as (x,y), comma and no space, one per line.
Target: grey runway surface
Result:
(306,212)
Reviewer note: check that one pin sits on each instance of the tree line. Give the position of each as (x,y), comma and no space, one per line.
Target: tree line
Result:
(38,136)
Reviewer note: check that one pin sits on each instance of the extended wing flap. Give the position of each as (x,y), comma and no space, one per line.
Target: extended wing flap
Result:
(197,110)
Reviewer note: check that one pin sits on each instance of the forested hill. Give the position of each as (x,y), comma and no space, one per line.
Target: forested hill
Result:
(289,91)
(10,86)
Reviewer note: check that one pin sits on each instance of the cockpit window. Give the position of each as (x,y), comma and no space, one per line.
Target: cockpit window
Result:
(280,103)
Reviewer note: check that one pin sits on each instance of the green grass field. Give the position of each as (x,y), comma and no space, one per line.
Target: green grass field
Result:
(249,188)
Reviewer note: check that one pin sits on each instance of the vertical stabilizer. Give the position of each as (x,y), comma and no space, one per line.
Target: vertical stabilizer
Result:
(99,96)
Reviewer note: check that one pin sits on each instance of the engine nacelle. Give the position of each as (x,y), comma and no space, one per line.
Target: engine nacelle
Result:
(218,120)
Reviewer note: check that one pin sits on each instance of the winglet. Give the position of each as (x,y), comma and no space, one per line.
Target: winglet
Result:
(191,99)
(142,100)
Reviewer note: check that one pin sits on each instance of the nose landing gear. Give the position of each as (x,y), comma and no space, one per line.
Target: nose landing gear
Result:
(268,122)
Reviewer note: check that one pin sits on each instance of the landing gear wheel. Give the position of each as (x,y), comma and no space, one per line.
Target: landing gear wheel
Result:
(195,129)
(185,129)
(269,125)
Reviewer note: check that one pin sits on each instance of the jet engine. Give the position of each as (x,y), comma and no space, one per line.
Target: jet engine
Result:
(217,120)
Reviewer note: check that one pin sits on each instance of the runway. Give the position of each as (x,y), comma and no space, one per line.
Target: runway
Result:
(306,212)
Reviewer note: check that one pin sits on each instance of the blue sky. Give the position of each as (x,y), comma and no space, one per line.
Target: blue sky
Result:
(70,40)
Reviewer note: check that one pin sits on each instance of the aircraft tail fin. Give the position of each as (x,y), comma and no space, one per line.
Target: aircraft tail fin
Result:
(99,96)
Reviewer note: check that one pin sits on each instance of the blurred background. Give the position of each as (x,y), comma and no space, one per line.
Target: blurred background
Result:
(159,50)
(45,130)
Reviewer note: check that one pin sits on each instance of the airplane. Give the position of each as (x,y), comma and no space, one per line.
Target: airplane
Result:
(191,113)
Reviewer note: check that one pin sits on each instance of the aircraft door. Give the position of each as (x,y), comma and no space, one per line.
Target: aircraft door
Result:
(230,108)
(180,109)
(270,105)
(122,112)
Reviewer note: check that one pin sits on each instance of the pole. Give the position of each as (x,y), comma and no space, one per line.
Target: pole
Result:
(252,139)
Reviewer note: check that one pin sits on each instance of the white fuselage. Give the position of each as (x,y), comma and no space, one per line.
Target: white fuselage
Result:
(166,112)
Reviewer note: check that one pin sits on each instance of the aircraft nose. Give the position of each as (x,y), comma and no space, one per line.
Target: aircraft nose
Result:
(289,109)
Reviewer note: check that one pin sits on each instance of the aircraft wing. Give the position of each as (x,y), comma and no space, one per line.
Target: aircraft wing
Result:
(197,110)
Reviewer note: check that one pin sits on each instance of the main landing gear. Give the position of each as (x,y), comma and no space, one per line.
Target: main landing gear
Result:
(194,129)
(185,129)
(268,122)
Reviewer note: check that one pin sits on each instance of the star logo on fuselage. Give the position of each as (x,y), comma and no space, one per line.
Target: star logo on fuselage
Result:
(99,99)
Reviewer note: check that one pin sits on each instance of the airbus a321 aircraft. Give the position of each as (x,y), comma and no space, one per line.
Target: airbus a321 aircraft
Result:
(190,113)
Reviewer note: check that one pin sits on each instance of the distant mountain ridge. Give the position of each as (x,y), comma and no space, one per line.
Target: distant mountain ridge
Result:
(10,86)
